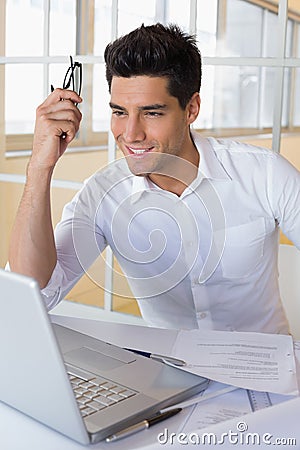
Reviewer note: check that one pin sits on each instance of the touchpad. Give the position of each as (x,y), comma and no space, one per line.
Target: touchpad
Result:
(91,360)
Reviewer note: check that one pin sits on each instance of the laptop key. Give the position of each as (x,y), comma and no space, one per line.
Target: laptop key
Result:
(116,397)
(127,393)
(76,381)
(88,411)
(104,400)
(79,390)
(96,405)
(118,389)
(79,373)
(104,393)
(108,385)
(83,400)
(86,385)
(96,389)
(90,394)
(97,381)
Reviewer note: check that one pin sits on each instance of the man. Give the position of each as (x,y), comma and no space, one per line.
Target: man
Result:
(193,222)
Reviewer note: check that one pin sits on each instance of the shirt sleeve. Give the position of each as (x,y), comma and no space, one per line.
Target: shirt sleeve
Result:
(284,190)
(79,241)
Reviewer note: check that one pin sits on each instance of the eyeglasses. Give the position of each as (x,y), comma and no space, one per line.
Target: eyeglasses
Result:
(73,77)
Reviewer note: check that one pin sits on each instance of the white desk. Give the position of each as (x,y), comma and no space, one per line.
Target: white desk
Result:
(18,432)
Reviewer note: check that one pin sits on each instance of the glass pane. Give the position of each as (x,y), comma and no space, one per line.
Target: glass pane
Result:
(230,97)
(102,26)
(62,37)
(268,97)
(286,97)
(57,74)
(23,93)
(205,118)
(243,33)
(269,94)
(271,33)
(297,82)
(207,27)
(132,13)
(101,98)
(297,99)
(175,13)
(24,28)
(289,39)
(240,97)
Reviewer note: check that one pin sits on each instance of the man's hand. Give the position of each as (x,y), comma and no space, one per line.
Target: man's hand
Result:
(57,122)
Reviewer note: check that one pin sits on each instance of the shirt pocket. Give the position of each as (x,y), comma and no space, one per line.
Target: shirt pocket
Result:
(244,249)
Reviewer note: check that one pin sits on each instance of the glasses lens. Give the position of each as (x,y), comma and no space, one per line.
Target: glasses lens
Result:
(78,77)
(73,77)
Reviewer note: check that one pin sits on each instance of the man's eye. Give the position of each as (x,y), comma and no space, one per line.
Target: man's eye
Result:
(153,114)
(118,113)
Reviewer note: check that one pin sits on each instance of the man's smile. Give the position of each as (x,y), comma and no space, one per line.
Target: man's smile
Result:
(138,151)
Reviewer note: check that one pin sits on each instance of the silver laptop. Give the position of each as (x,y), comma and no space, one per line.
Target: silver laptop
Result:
(82,387)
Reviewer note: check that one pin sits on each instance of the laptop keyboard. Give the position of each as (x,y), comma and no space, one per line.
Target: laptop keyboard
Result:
(95,394)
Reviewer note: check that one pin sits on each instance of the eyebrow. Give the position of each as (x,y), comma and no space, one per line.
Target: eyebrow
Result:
(155,106)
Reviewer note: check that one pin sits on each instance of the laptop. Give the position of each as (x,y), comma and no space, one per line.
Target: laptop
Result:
(85,388)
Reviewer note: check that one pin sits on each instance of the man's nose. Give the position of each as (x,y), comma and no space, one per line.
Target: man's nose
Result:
(134,130)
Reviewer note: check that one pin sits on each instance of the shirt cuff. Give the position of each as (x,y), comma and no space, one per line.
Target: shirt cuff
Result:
(51,294)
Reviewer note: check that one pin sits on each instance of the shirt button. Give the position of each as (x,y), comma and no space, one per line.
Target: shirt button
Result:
(202,315)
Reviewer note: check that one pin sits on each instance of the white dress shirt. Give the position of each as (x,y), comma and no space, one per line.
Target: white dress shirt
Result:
(206,259)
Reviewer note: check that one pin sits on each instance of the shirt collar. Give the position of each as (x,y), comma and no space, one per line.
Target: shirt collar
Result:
(140,185)
(210,167)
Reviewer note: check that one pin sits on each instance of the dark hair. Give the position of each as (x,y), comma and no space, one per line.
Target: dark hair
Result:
(157,51)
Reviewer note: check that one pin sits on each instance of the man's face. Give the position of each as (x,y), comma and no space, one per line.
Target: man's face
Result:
(147,122)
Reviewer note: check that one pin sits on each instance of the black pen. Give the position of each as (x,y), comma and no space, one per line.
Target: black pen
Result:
(143,425)
(162,358)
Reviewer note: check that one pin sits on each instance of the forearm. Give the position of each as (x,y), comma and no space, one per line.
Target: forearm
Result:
(32,249)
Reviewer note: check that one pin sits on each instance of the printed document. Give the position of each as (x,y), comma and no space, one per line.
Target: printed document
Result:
(259,361)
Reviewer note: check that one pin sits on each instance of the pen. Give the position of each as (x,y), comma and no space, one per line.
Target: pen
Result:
(143,425)
(163,358)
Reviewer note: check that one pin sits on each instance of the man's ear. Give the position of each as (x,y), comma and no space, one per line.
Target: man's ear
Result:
(193,108)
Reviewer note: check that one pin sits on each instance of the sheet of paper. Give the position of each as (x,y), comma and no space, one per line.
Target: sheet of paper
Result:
(224,407)
(216,410)
(259,361)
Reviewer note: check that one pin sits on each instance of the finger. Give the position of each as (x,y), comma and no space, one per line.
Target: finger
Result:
(64,125)
(50,125)
(64,129)
(61,113)
(62,94)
